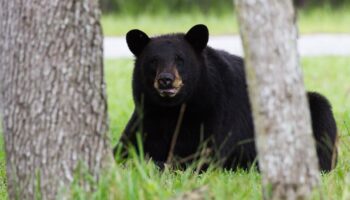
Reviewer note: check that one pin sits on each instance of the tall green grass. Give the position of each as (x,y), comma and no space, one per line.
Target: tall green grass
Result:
(3,181)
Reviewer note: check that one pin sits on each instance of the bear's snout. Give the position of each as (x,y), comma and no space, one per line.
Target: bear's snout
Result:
(168,84)
(165,80)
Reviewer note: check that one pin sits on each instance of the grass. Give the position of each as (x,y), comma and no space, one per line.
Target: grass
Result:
(318,20)
(119,25)
(139,179)
(3,183)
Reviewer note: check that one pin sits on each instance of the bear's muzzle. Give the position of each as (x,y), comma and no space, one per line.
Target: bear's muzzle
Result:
(168,84)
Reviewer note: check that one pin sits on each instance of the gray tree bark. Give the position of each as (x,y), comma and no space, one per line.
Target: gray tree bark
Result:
(53,98)
(285,145)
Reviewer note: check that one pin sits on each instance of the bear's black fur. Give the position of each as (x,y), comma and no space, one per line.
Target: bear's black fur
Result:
(180,71)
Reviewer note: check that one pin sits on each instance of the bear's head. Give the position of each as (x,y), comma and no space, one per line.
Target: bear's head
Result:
(167,67)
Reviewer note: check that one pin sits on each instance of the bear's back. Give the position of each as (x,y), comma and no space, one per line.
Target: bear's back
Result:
(226,73)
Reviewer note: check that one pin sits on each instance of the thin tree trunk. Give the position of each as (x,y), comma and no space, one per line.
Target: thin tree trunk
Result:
(52,94)
(286,148)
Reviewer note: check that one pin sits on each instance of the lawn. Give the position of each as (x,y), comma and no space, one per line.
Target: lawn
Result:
(318,20)
(139,179)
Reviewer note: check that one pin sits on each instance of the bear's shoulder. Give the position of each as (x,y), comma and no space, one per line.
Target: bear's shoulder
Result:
(224,64)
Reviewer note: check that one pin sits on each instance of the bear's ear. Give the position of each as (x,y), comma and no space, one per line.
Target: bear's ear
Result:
(198,36)
(137,40)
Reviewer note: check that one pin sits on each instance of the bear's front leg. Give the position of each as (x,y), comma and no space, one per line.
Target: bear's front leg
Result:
(128,137)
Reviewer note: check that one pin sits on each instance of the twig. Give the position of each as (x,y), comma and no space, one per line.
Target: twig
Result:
(176,134)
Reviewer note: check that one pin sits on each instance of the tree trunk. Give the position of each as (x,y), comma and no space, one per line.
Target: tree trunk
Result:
(286,148)
(52,94)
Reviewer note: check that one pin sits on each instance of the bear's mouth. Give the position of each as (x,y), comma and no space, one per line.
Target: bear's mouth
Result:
(169,92)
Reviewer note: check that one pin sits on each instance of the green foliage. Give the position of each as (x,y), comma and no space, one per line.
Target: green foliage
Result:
(156,7)
(324,20)
(136,7)
(323,3)
(318,20)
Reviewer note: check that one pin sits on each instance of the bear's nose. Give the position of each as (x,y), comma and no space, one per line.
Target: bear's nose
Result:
(165,80)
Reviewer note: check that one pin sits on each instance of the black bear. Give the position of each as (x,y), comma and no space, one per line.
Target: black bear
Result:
(188,95)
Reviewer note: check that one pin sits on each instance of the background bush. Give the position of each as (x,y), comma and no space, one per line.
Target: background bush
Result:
(136,7)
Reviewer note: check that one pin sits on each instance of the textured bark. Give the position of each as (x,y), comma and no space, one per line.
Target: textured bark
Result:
(52,94)
(286,148)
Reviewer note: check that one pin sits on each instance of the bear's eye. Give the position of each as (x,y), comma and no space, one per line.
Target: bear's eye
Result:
(153,63)
(179,61)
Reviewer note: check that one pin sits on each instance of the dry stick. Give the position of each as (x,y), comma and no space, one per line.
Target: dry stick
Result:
(176,134)
(190,157)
